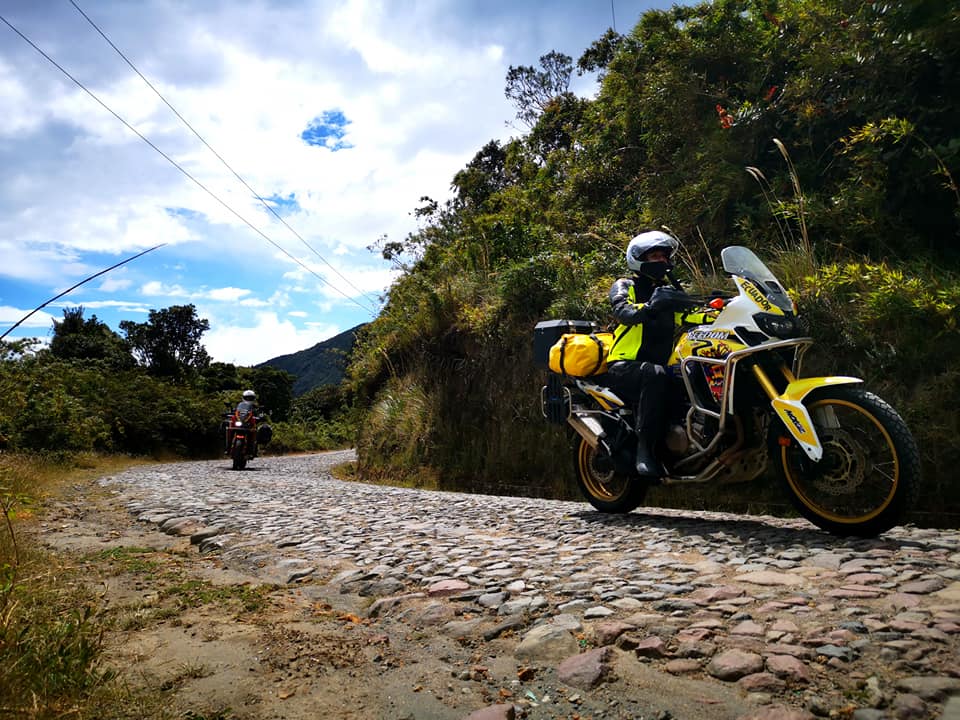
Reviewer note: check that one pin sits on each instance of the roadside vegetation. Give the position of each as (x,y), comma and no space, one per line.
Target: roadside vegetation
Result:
(89,404)
(820,133)
(154,392)
(59,630)
(51,630)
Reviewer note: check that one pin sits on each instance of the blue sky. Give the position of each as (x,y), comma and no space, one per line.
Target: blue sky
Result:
(339,115)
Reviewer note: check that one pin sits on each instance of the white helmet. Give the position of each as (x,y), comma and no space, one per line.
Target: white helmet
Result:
(644,243)
(249,395)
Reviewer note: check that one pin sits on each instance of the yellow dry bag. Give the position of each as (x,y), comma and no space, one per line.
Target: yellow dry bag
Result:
(580,354)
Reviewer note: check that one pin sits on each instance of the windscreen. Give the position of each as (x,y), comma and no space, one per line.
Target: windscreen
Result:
(738,260)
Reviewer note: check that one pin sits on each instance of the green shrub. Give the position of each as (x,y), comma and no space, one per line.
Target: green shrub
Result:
(885,321)
(309,436)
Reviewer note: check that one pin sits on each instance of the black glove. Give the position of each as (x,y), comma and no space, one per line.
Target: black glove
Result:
(668,299)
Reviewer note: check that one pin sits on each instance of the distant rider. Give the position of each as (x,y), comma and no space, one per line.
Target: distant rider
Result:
(249,402)
(247,405)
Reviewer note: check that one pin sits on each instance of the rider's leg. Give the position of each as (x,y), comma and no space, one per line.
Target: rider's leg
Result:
(651,409)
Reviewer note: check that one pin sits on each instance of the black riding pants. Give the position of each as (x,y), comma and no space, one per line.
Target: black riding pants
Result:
(643,386)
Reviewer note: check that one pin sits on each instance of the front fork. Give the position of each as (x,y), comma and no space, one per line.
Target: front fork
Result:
(789,407)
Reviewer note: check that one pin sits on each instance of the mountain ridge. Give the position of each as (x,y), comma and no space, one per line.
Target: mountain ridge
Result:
(322,364)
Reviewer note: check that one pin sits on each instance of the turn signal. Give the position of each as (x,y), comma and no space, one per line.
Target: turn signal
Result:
(717,303)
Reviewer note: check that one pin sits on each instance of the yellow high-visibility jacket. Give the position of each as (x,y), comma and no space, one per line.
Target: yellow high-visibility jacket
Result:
(643,333)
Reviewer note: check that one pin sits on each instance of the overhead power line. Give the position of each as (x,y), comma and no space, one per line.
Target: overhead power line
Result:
(71,289)
(208,146)
(179,167)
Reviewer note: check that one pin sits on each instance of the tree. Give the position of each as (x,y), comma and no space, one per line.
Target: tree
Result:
(532,90)
(557,126)
(18,349)
(218,376)
(168,344)
(274,389)
(77,339)
(483,176)
(600,53)
(320,403)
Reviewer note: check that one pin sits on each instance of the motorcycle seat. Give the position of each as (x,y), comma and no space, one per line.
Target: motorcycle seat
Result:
(600,391)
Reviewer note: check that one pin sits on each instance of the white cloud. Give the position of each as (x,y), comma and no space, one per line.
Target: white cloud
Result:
(10,315)
(227,294)
(114,284)
(268,337)
(19,116)
(125,306)
(39,264)
(155,288)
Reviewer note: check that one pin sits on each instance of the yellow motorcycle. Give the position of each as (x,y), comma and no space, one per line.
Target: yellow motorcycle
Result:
(739,405)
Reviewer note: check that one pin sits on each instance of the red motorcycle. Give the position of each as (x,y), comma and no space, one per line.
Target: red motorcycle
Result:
(245,431)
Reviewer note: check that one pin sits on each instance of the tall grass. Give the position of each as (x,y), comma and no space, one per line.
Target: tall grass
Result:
(796,258)
(51,635)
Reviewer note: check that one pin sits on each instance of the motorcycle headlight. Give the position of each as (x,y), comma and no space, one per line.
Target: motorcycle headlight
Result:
(778,326)
(237,423)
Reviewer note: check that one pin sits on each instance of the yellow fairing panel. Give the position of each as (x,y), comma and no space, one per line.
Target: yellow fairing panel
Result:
(789,407)
(797,420)
(799,389)
(704,341)
(607,400)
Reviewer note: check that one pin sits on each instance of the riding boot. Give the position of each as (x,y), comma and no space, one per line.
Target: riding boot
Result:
(651,410)
(646,463)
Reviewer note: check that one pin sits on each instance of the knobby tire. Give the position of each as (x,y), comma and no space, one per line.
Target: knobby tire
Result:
(606,490)
(239,455)
(869,476)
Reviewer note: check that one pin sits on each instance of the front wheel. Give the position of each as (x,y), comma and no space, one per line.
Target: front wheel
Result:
(869,475)
(606,489)
(239,454)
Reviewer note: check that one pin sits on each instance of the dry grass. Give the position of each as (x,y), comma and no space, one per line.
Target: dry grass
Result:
(51,629)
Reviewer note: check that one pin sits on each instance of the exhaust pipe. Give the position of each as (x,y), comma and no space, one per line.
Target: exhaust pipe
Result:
(588,428)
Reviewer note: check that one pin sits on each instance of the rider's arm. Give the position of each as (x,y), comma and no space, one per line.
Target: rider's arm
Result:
(696,317)
(624,311)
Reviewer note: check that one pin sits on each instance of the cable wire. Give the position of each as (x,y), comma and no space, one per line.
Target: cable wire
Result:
(74,287)
(178,166)
(216,154)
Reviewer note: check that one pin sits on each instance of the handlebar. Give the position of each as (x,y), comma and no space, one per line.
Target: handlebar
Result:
(698,300)
(673,281)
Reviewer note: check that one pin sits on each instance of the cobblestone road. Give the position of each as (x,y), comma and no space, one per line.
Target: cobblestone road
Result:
(767,603)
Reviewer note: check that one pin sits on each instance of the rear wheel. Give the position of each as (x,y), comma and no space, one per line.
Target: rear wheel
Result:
(869,475)
(606,489)
(238,454)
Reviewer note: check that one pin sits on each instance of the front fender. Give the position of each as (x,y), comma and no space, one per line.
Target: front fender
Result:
(793,413)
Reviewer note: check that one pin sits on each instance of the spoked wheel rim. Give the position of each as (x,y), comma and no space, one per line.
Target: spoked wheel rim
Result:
(602,483)
(859,474)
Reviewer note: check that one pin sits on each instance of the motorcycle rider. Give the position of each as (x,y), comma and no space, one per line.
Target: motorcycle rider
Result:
(248,404)
(648,311)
